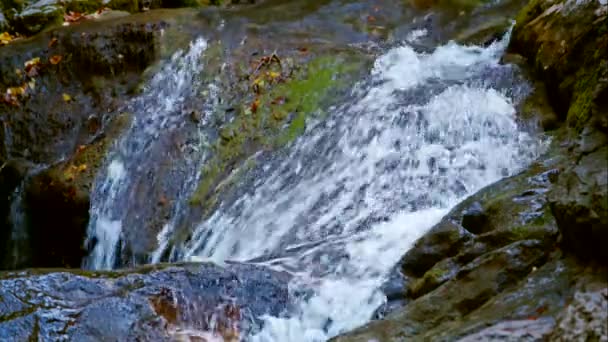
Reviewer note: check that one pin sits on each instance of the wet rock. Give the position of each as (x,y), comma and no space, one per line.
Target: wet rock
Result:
(474,219)
(579,202)
(147,304)
(585,318)
(4,24)
(443,241)
(38,15)
(12,173)
(486,33)
(473,286)
(67,140)
(522,330)
(562,41)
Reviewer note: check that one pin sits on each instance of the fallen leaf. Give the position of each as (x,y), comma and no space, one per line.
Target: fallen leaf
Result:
(18,72)
(16,91)
(32,67)
(5,38)
(66,97)
(273,74)
(32,84)
(254,105)
(72,17)
(82,168)
(81,148)
(53,42)
(55,59)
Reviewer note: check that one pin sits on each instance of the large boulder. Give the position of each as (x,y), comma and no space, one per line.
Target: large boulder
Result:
(56,135)
(566,45)
(160,303)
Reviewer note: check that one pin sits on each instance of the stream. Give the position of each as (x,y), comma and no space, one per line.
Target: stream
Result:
(340,205)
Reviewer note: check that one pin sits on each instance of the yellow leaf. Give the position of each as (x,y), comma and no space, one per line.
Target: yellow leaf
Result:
(18,72)
(82,168)
(15,91)
(5,38)
(273,74)
(67,97)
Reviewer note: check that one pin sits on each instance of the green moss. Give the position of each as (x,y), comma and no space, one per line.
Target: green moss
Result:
(83,6)
(532,10)
(274,118)
(583,97)
(125,5)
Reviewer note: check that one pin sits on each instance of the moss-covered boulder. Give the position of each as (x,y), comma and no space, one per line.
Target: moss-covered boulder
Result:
(566,45)
(38,15)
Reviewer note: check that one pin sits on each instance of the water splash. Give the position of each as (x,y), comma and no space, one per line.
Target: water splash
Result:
(358,189)
(156,112)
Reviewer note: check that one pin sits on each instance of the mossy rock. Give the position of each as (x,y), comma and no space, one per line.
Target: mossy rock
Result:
(277,114)
(39,15)
(84,6)
(131,6)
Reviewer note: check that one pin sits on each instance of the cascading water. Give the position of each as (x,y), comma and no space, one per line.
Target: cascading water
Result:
(133,160)
(359,188)
(352,194)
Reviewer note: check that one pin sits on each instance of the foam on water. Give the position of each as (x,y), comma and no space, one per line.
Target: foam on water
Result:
(357,190)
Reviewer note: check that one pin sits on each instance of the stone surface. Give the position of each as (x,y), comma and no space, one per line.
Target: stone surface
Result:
(585,318)
(146,304)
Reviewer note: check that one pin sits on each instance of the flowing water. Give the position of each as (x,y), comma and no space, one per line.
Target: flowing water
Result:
(349,197)
(134,160)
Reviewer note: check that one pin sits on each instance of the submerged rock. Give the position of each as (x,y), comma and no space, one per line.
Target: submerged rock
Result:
(154,303)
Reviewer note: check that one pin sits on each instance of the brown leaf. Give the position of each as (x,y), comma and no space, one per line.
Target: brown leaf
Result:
(55,59)
(72,17)
(254,105)
(53,42)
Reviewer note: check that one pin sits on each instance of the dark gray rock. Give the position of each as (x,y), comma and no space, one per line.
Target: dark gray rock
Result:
(579,202)
(145,304)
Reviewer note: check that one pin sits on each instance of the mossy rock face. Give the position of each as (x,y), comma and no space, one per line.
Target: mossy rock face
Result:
(565,43)
(283,93)
(58,201)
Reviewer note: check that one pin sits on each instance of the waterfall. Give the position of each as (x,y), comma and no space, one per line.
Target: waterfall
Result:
(349,197)
(356,190)
(134,157)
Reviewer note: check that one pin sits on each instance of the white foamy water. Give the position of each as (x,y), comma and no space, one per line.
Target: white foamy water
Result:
(157,111)
(357,190)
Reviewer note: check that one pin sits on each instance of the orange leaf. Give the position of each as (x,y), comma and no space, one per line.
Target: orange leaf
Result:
(55,59)
(254,105)
(53,42)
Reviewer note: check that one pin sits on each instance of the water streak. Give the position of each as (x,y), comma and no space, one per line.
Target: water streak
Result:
(157,111)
